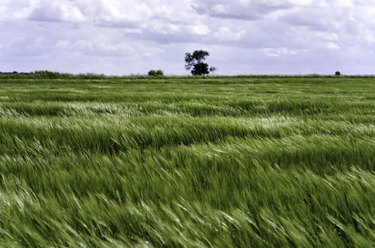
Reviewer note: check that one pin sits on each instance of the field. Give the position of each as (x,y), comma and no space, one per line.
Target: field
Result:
(187,162)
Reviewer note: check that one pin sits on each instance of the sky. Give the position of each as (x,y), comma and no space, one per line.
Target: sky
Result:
(122,37)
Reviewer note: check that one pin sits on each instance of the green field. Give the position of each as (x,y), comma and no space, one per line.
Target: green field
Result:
(187,162)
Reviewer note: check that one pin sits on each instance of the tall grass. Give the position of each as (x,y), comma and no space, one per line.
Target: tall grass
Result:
(186,162)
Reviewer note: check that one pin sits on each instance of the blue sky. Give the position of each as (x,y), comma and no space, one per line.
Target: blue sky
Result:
(242,36)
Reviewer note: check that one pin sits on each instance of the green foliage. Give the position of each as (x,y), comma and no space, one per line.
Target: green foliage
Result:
(194,62)
(156,73)
(337,73)
(51,75)
(187,162)
(48,74)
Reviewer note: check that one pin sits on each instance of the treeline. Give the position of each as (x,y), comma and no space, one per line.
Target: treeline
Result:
(92,76)
(59,75)
(50,75)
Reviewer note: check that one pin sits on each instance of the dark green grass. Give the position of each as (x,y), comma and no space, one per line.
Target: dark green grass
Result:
(187,162)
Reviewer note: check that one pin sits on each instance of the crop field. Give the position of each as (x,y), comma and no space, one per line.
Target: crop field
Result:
(187,162)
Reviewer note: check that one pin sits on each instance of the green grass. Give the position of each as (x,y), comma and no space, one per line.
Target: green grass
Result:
(187,162)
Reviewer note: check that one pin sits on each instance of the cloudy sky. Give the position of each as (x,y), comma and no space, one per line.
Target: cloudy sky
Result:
(242,36)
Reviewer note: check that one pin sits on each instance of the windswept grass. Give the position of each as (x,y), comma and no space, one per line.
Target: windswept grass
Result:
(187,162)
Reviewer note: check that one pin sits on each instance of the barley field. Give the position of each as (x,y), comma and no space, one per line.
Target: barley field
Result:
(187,162)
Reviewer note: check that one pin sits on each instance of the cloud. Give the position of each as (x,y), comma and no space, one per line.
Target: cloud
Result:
(245,9)
(243,35)
(116,13)
(55,11)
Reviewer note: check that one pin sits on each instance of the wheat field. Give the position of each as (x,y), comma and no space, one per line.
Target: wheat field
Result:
(187,162)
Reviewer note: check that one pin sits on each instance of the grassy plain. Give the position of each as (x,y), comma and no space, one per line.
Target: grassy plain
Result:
(187,162)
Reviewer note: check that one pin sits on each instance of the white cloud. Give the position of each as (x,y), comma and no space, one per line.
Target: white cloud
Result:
(276,52)
(157,33)
(55,11)
(200,29)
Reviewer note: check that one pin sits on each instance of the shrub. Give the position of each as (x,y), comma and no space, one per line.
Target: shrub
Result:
(337,73)
(156,73)
(48,74)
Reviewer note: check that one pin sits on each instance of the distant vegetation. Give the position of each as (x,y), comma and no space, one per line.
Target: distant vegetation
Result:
(156,73)
(194,62)
(58,75)
(50,75)
(187,161)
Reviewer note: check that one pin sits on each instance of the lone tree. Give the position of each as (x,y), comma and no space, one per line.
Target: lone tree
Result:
(194,62)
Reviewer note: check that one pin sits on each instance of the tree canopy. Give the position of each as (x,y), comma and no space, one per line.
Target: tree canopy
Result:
(195,63)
